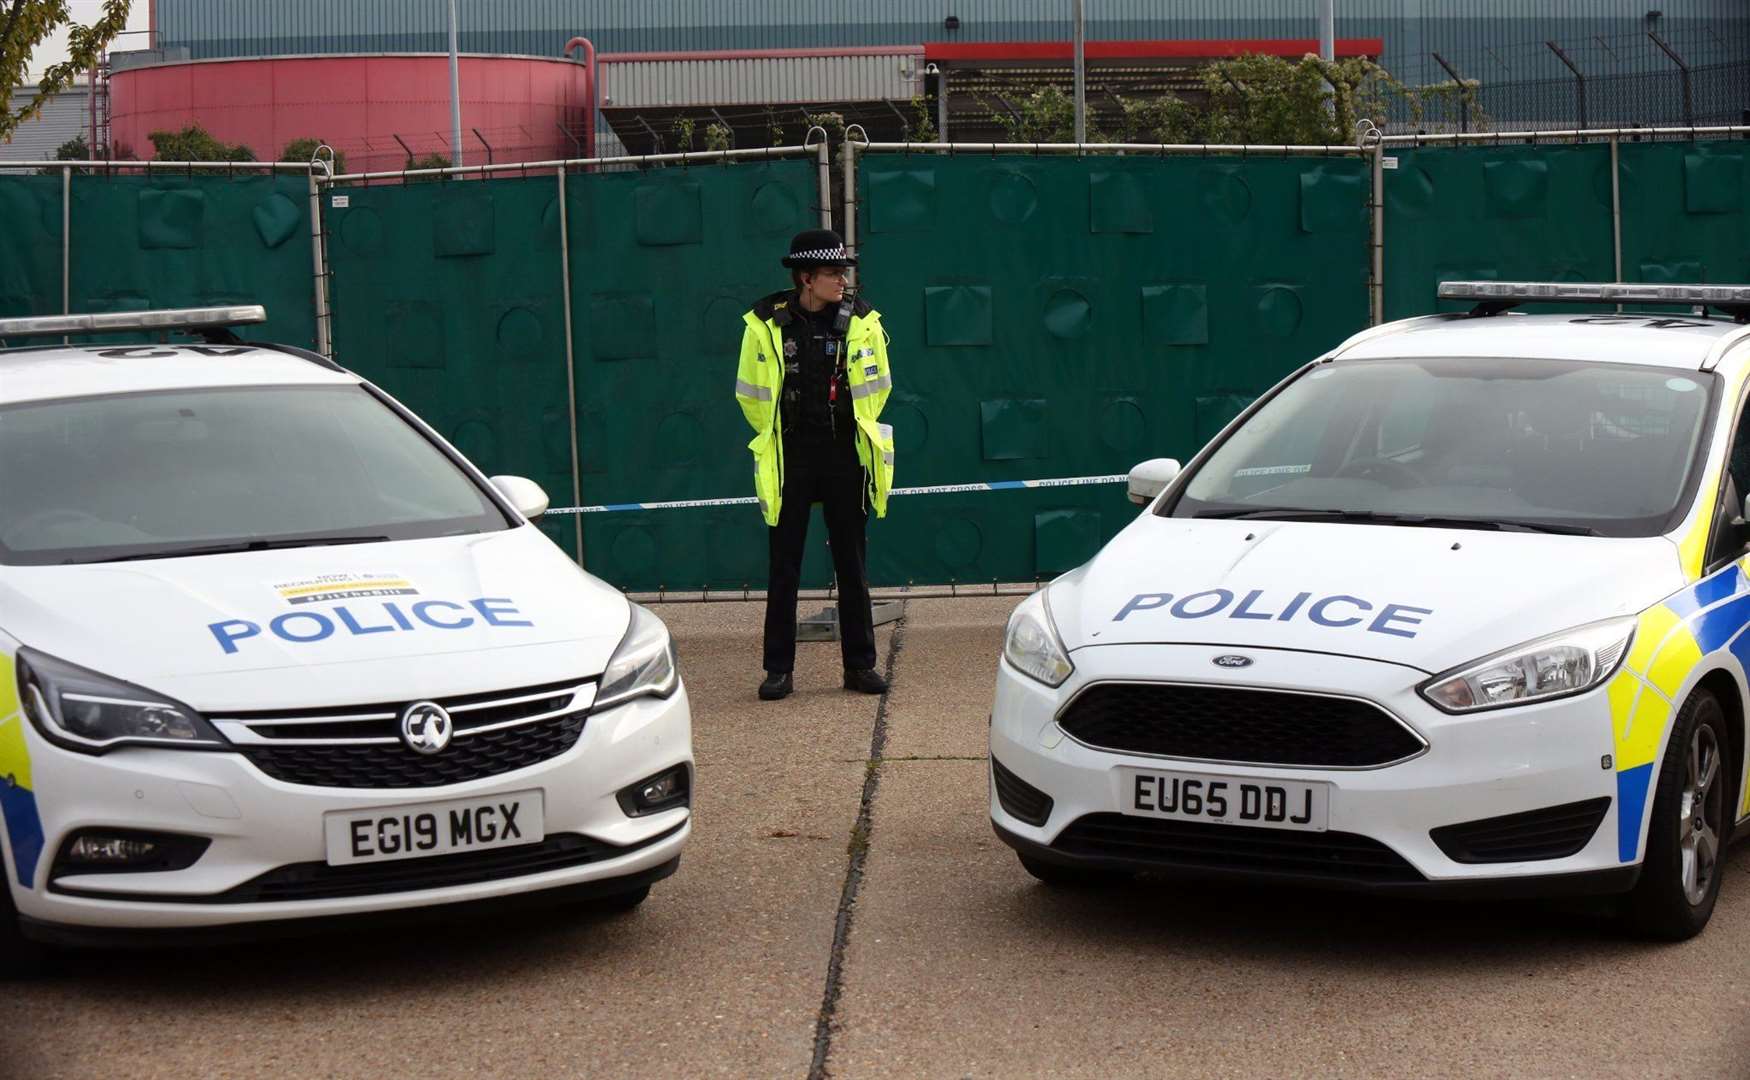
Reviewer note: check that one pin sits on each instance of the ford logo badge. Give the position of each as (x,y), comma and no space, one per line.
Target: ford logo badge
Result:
(1232,660)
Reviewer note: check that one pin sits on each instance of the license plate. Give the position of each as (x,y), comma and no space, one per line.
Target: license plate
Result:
(1226,800)
(416,830)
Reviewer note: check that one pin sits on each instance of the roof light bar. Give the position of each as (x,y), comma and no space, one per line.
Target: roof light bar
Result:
(125,322)
(1526,292)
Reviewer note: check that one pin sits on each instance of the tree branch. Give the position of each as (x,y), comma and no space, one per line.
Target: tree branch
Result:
(11,21)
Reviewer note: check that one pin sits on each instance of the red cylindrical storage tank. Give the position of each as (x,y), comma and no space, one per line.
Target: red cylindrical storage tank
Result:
(522,106)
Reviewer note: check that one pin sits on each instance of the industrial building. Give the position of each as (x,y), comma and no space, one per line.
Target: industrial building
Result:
(546,78)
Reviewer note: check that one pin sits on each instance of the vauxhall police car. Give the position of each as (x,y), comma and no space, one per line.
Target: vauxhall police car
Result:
(271,649)
(1461,605)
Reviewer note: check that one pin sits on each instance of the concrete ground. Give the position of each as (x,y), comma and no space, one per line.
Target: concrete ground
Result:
(950,962)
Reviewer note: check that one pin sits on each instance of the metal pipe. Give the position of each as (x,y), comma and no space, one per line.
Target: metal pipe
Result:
(570,361)
(1616,205)
(1159,149)
(319,263)
(1327,30)
(626,159)
(455,91)
(1377,255)
(1570,133)
(595,98)
(1579,79)
(67,245)
(1081,70)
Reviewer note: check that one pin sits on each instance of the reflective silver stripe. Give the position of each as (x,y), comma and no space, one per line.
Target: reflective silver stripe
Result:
(763,508)
(747,389)
(863,390)
(863,352)
(887,457)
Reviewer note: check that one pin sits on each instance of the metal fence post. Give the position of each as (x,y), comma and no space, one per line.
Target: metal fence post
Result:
(1616,204)
(1683,74)
(319,261)
(67,245)
(1579,79)
(1376,253)
(823,153)
(570,362)
(850,154)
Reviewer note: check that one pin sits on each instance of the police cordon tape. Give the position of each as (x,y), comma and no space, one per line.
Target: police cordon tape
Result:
(934,489)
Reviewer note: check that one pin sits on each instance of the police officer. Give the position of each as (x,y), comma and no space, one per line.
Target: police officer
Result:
(812,381)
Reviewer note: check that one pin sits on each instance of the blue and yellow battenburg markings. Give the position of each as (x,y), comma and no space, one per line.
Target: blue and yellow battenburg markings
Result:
(1673,638)
(24,828)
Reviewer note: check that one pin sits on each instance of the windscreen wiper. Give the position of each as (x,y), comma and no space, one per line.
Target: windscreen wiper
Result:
(1374,517)
(239,545)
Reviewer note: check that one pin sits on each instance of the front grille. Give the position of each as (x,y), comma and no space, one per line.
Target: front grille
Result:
(1555,832)
(395,766)
(1213,723)
(359,746)
(1193,845)
(1019,798)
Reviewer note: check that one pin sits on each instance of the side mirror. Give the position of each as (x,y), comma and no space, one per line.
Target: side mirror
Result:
(524,494)
(1151,478)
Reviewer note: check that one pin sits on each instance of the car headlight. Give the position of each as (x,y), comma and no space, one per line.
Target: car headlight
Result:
(643,665)
(1570,662)
(82,710)
(1032,645)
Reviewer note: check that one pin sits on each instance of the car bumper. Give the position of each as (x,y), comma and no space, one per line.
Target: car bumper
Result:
(1475,767)
(264,829)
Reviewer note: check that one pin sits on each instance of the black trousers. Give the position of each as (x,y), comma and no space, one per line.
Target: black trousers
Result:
(839,489)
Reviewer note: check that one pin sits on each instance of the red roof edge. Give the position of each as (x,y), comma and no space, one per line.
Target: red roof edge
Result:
(1211,49)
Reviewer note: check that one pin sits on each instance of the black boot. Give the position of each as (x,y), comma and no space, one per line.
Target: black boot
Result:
(777,685)
(865,681)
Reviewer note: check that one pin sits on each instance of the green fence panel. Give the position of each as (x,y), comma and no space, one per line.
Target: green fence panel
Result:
(30,245)
(448,295)
(1056,317)
(1509,213)
(664,263)
(164,241)
(1686,212)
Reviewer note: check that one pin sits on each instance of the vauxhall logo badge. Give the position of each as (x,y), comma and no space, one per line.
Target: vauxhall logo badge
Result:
(425,727)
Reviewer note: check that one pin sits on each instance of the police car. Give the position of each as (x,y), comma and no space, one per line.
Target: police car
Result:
(271,649)
(1461,605)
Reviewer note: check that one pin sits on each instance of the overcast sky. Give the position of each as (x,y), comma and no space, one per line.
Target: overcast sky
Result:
(54,49)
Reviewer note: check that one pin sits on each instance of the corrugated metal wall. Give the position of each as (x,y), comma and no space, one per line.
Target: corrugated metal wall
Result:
(64,117)
(1497,40)
(776,80)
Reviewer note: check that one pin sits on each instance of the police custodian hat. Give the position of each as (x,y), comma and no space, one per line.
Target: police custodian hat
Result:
(817,247)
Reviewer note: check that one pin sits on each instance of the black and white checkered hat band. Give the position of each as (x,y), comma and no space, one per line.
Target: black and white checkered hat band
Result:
(831,254)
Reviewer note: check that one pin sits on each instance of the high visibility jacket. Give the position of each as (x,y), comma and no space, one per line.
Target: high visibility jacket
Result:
(759,389)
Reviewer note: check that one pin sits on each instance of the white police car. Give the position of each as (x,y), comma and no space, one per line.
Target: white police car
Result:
(271,649)
(1460,605)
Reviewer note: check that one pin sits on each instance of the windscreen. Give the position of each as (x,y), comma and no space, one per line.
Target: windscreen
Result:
(1605,448)
(192,471)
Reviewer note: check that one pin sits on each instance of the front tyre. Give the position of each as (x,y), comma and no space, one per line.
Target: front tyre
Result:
(1680,878)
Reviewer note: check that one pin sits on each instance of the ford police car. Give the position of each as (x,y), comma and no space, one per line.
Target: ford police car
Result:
(1460,605)
(271,649)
